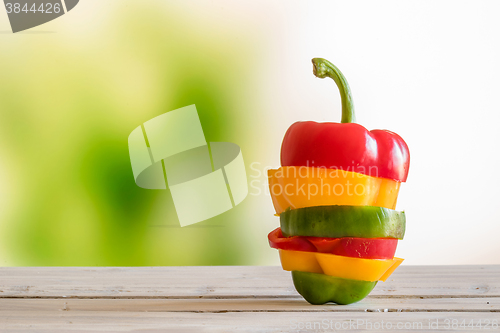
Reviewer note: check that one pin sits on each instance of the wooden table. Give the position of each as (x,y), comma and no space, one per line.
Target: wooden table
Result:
(241,299)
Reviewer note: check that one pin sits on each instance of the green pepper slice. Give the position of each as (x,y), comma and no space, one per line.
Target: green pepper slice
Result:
(343,221)
(319,289)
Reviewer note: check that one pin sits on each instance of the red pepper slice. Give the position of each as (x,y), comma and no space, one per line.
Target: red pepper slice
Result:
(294,243)
(368,248)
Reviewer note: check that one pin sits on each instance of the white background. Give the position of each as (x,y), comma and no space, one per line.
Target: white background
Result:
(429,71)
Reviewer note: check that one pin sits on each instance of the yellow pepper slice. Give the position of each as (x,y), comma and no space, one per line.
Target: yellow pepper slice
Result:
(339,266)
(299,187)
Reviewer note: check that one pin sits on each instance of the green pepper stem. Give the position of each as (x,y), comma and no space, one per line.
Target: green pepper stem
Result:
(323,68)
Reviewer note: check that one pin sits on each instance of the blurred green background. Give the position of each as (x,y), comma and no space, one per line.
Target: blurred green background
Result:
(70,94)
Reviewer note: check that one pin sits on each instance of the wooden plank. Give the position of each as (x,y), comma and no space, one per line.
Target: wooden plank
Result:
(240,299)
(489,304)
(71,321)
(232,282)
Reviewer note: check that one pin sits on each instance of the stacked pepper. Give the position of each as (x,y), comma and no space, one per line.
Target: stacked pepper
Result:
(335,195)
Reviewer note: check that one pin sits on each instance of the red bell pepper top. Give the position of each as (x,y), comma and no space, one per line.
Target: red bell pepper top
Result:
(346,146)
(349,147)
